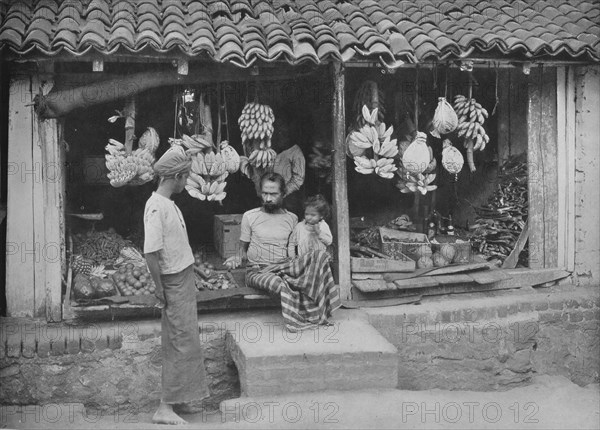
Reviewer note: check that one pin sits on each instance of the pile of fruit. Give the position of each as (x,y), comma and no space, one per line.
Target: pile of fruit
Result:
(101,247)
(92,287)
(256,125)
(133,168)
(133,281)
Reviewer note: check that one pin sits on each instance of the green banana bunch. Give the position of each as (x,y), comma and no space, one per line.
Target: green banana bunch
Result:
(471,116)
(262,158)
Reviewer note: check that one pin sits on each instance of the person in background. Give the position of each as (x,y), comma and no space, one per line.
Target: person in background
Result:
(170,262)
(304,284)
(313,233)
(291,165)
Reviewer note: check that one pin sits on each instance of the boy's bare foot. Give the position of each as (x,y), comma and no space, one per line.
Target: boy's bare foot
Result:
(165,415)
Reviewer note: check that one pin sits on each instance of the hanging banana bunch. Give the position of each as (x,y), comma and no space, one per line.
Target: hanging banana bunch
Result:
(256,125)
(378,139)
(471,116)
(133,168)
(207,177)
(419,182)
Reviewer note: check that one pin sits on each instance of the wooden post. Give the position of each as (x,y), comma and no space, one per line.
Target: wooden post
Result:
(20,251)
(542,164)
(503,111)
(340,184)
(565,114)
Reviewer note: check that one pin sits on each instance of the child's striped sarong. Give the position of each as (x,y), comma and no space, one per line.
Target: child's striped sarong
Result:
(310,296)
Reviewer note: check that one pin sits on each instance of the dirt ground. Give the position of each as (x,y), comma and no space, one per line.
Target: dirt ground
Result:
(548,403)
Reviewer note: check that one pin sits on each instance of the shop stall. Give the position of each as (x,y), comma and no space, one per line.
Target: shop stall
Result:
(450,161)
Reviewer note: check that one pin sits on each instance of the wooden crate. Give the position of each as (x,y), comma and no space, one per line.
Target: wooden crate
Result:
(226,234)
(396,243)
(382,265)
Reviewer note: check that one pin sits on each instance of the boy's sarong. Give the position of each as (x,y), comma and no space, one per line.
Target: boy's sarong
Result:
(183,373)
(308,296)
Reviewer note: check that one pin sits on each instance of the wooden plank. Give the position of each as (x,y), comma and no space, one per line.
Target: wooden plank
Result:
(381,265)
(371,285)
(461,268)
(489,276)
(513,258)
(341,213)
(570,168)
(20,254)
(456,278)
(525,277)
(377,303)
(420,282)
(543,174)
(361,276)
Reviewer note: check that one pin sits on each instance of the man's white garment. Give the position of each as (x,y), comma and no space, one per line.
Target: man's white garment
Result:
(268,235)
(165,232)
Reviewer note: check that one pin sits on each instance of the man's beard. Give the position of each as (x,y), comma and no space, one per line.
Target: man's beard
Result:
(272,207)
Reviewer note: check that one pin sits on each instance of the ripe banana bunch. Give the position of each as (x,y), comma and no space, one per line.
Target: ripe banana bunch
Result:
(144,160)
(383,145)
(471,116)
(202,189)
(412,183)
(195,143)
(209,164)
(256,122)
(230,157)
(262,158)
(125,169)
(122,168)
(377,137)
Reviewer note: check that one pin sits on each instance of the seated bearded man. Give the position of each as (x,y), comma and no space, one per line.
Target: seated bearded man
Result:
(305,283)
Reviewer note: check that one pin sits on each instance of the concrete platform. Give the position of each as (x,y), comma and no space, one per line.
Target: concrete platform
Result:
(350,355)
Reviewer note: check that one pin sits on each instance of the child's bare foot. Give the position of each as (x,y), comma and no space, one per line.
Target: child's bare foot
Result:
(165,415)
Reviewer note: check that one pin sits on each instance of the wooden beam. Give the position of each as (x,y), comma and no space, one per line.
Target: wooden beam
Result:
(543,173)
(570,155)
(20,251)
(561,162)
(340,184)
(60,102)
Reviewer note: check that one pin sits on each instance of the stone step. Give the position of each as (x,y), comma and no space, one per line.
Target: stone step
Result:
(349,355)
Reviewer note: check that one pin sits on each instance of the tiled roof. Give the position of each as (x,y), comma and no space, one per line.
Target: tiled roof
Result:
(243,31)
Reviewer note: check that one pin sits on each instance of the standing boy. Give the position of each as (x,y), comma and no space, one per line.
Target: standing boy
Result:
(170,261)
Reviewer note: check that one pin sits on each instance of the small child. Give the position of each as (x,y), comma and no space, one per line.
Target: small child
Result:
(313,233)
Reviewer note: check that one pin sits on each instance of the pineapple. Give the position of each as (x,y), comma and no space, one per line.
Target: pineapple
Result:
(81,265)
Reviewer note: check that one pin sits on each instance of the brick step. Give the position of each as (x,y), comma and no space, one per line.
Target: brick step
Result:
(349,355)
